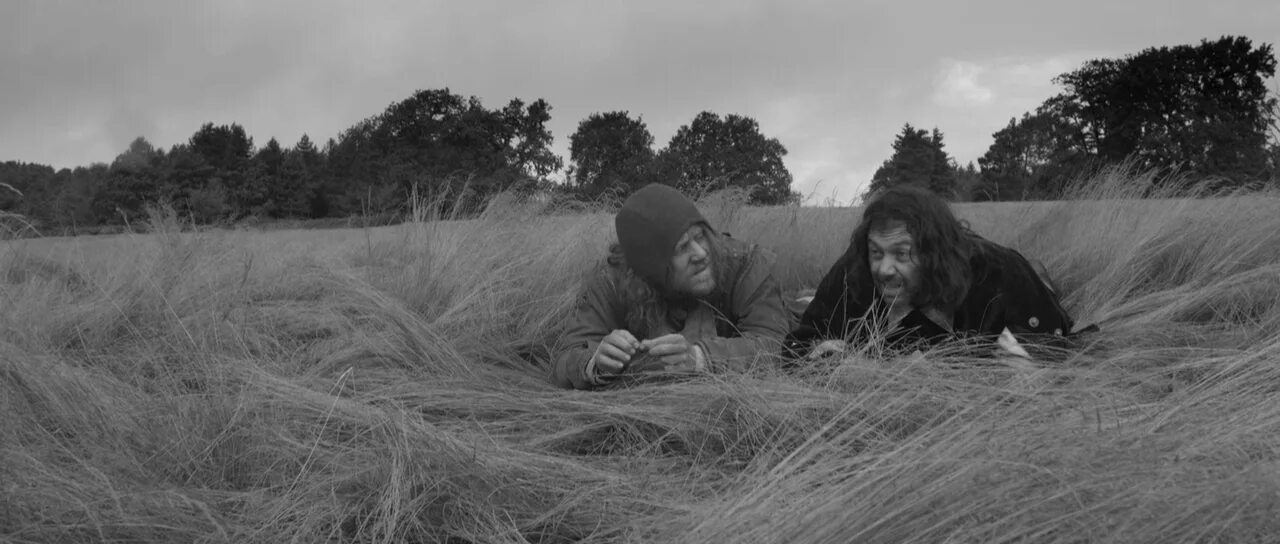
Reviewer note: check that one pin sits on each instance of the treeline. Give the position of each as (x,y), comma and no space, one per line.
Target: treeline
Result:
(1201,111)
(434,146)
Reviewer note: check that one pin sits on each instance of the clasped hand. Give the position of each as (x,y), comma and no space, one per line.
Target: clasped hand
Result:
(673,350)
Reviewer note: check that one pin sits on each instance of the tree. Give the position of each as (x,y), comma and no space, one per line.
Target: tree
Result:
(309,166)
(354,162)
(26,187)
(713,153)
(140,155)
(266,173)
(918,158)
(25,179)
(71,196)
(54,199)
(443,134)
(968,182)
(299,180)
(185,173)
(1273,162)
(438,142)
(134,179)
(531,138)
(225,147)
(1032,158)
(228,150)
(270,157)
(1200,109)
(610,151)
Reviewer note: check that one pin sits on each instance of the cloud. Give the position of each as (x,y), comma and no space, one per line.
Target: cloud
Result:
(833,82)
(958,85)
(974,97)
(982,82)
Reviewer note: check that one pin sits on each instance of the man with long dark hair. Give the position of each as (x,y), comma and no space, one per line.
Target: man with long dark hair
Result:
(915,275)
(674,296)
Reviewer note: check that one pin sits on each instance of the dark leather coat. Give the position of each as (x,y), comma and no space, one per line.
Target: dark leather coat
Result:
(1006,292)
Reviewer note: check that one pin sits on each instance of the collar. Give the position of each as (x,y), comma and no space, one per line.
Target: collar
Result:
(939,318)
(933,313)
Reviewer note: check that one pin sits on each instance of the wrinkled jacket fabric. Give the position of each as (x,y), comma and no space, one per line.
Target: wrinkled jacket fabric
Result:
(744,324)
(1006,293)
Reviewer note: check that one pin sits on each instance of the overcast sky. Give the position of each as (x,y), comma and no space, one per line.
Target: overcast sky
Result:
(833,81)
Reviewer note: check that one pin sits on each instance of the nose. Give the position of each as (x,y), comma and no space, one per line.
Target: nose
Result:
(699,253)
(884,268)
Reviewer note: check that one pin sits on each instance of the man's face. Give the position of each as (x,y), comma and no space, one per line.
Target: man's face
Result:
(894,267)
(691,272)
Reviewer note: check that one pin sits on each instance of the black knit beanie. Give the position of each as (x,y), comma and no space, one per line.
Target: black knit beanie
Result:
(649,224)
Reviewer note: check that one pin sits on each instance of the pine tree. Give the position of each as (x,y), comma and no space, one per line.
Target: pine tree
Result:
(918,158)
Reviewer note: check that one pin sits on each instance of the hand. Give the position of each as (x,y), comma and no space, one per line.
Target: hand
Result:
(614,351)
(826,349)
(675,351)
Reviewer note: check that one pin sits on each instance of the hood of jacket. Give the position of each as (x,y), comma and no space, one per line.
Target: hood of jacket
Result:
(649,224)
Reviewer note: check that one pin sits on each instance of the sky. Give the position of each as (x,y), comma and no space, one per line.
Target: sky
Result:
(833,81)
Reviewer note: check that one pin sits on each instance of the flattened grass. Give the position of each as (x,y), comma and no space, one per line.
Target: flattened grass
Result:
(388,385)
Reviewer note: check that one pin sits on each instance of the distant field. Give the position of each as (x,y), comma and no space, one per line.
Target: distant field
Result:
(388,385)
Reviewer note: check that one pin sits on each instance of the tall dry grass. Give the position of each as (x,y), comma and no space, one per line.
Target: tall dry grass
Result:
(388,385)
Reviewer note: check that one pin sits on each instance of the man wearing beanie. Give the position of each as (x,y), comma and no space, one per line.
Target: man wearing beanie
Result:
(673,296)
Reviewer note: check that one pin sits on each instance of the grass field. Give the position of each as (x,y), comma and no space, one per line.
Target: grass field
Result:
(388,385)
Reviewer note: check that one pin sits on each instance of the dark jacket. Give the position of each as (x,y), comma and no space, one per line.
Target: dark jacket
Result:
(1006,292)
(734,328)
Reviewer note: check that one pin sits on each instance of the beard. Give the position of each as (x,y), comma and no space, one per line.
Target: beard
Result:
(893,291)
(698,284)
(702,282)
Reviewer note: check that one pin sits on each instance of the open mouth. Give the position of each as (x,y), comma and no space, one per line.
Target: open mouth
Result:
(891,290)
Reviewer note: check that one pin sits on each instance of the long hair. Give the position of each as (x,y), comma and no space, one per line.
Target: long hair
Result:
(647,305)
(942,244)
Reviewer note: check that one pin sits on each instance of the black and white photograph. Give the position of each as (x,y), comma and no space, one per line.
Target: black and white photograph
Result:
(574,271)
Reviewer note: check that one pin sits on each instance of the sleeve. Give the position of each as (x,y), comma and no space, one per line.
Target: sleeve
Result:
(762,319)
(827,313)
(594,317)
(1033,312)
